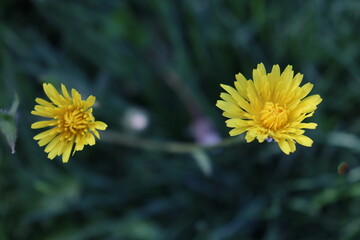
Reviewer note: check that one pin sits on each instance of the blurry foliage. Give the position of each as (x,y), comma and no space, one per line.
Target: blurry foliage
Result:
(8,124)
(168,58)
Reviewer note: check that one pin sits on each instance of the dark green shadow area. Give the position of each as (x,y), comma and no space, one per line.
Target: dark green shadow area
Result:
(155,68)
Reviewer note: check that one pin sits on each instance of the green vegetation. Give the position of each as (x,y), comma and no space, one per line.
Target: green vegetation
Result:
(165,60)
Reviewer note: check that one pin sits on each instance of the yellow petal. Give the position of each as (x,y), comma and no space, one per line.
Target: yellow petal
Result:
(42,111)
(249,137)
(237,131)
(96,133)
(60,147)
(45,134)
(42,124)
(232,91)
(76,95)
(286,73)
(306,125)
(233,115)
(65,92)
(78,147)
(286,77)
(296,81)
(66,153)
(227,98)
(284,146)
(228,107)
(261,69)
(259,77)
(304,140)
(273,78)
(46,140)
(49,89)
(100,125)
(79,139)
(292,145)
(275,72)
(89,101)
(308,104)
(237,123)
(261,137)
(251,91)
(53,94)
(44,102)
(52,144)
(245,105)
(90,139)
(305,90)
(52,154)
(241,85)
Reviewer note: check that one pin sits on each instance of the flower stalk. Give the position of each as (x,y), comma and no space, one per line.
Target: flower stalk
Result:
(163,146)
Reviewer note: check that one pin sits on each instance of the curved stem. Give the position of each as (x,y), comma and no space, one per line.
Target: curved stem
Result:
(171,147)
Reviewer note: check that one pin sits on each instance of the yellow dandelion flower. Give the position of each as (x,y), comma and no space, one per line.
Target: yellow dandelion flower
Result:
(72,124)
(272,106)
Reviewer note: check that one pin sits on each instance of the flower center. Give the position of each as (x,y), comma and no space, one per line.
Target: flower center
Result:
(73,122)
(273,116)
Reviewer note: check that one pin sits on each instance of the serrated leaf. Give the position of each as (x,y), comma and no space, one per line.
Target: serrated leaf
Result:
(203,162)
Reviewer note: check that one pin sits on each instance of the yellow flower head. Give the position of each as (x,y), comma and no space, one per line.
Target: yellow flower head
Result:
(272,106)
(72,124)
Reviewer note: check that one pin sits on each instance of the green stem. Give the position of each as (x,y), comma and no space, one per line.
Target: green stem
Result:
(171,147)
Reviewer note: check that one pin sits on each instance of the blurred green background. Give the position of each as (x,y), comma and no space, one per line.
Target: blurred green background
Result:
(155,67)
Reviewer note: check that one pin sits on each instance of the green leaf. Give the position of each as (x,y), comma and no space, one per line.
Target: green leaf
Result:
(14,106)
(8,124)
(203,162)
(343,139)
